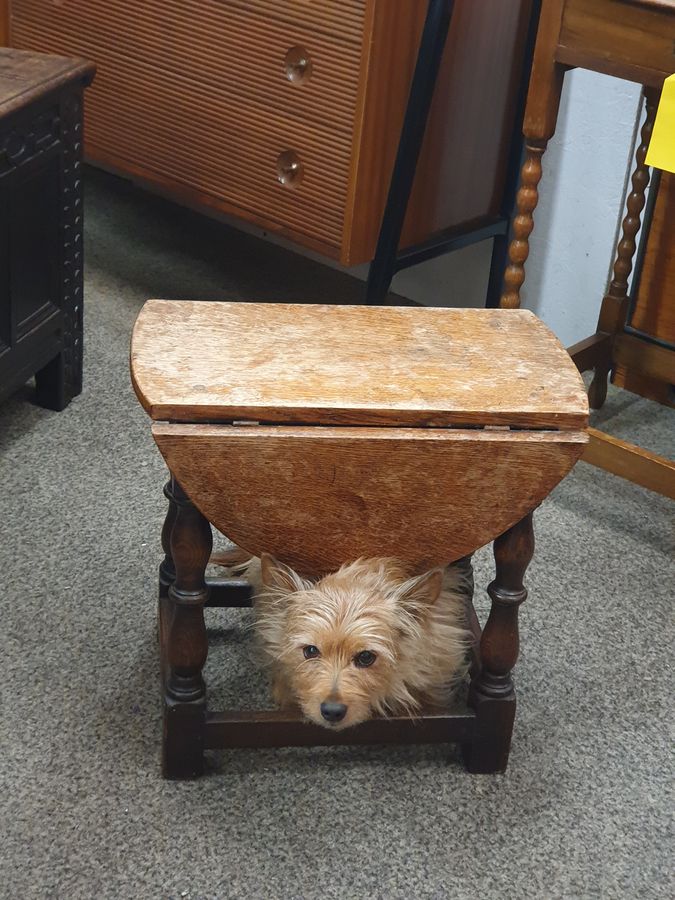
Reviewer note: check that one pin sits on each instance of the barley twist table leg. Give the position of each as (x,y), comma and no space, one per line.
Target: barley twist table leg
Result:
(614,310)
(523,223)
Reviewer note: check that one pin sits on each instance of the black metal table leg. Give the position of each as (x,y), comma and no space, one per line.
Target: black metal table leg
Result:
(434,35)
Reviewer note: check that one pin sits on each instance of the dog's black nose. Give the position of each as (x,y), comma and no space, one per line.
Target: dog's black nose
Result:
(333,712)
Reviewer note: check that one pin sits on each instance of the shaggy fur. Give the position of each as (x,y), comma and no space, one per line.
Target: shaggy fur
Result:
(415,626)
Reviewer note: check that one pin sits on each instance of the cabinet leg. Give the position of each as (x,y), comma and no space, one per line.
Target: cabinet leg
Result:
(492,693)
(52,388)
(183,639)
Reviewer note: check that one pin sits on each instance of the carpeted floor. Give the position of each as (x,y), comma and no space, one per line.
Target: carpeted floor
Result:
(585,808)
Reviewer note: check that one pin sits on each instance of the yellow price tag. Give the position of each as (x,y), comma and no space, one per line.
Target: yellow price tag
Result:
(661,152)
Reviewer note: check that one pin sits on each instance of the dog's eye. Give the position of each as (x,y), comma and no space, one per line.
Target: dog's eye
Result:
(364,659)
(311,652)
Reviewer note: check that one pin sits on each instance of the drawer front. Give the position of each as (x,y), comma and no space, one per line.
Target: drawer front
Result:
(159,105)
(285,66)
(633,38)
(337,17)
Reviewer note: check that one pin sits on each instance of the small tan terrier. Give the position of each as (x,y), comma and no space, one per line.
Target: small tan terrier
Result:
(365,639)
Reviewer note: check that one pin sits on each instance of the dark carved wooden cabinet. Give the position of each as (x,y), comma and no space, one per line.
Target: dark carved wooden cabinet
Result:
(41,224)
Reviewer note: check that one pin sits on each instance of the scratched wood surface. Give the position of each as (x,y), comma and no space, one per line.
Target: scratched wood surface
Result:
(315,364)
(26,76)
(317,497)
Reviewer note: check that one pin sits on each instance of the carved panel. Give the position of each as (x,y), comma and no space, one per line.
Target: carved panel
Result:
(34,239)
(27,139)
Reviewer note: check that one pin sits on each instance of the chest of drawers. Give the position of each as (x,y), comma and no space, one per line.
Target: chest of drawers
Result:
(287,114)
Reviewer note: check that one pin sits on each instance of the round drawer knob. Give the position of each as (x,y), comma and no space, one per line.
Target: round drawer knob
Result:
(289,169)
(298,65)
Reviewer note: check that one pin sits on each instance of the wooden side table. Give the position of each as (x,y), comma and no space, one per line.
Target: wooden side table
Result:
(336,432)
(634,40)
(41,224)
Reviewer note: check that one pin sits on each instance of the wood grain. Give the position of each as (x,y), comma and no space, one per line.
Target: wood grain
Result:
(591,351)
(650,388)
(546,77)
(213,43)
(317,497)
(492,693)
(344,18)
(668,5)
(316,364)
(4,23)
(200,200)
(390,46)
(634,41)
(281,728)
(615,303)
(654,311)
(643,358)
(614,307)
(539,121)
(221,133)
(467,141)
(656,473)
(523,223)
(192,98)
(462,163)
(25,77)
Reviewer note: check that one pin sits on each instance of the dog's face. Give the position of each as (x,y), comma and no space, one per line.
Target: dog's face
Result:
(339,641)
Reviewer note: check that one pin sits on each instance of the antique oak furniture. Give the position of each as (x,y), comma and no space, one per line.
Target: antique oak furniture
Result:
(635,40)
(651,312)
(324,433)
(41,224)
(287,113)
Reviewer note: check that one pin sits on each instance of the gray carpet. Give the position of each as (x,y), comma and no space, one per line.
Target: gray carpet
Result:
(585,807)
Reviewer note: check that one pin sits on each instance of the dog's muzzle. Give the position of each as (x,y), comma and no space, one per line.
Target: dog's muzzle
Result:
(333,712)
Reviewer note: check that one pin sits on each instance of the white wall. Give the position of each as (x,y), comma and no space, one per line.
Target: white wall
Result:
(580,205)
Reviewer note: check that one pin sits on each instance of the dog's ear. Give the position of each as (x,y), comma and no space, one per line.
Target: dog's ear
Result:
(418,594)
(277,576)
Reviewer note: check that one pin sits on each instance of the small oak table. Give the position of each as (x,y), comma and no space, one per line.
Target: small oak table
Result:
(325,433)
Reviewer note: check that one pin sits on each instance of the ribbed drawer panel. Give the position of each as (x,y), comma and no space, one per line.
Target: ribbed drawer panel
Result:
(214,43)
(335,17)
(202,136)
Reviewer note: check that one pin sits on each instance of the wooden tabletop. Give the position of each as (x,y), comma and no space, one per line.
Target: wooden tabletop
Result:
(630,39)
(26,76)
(358,365)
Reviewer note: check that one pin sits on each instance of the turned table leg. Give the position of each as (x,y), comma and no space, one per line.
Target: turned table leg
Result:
(492,694)
(523,223)
(167,570)
(614,309)
(539,121)
(183,637)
